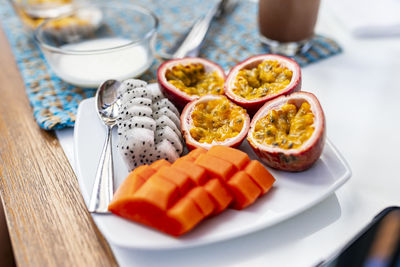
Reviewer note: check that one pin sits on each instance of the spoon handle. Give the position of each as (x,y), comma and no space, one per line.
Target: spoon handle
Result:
(103,186)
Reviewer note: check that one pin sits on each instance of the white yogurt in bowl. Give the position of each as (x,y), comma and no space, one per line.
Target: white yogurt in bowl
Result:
(90,70)
(85,54)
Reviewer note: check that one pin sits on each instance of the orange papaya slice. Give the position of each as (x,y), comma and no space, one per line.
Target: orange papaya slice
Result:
(245,191)
(186,215)
(195,172)
(160,163)
(215,166)
(260,175)
(202,199)
(219,194)
(238,158)
(177,177)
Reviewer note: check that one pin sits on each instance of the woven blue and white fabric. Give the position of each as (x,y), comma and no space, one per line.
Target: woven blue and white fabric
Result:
(231,39)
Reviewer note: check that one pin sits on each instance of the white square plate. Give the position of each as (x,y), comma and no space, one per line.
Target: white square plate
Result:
(292,193)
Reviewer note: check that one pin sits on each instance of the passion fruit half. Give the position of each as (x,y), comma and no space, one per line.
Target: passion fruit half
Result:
(214,120)
(288,133)
(261,78)
(185,80)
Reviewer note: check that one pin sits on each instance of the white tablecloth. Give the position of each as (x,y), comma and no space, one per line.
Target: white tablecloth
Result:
(360,92)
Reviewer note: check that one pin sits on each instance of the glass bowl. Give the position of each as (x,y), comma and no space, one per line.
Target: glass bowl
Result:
(97,42)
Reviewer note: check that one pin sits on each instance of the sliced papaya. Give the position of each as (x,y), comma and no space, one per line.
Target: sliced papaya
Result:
(129,186)
(215,166)
(195,153)
(238,158)
(158,192)
(175,198)
(202,199)
(244,190)
(144,171)
(219,194)
(195,172)
(186,214)
(177,177)
(260,175)
(160,163)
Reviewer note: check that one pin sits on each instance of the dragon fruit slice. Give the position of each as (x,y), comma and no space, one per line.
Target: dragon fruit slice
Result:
(165,121)
(131,84)
(148,126)
(139,101)
(136,122)
(140,111)
(165,111)
(134,146)
(165,103)
(156,93)
(165,150)
(170,135)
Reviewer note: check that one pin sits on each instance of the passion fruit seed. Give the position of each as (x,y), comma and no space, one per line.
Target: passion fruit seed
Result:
(287,127)
(268,78)
(194,80)
(216,120)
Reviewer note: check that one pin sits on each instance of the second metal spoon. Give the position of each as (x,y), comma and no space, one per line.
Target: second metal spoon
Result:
(107,106)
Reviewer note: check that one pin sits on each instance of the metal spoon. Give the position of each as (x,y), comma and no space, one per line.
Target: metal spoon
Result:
(107,106)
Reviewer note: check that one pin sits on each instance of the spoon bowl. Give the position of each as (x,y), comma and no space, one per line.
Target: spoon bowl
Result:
(107,106)
(107,101)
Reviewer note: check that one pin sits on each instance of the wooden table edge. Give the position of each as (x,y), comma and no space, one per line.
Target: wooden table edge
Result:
(47,219)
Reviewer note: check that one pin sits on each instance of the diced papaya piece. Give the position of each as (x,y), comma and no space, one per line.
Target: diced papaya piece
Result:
(177,177)
(142,211)
(129,186)
(215,166)
(195,153)
(159,163)
(195,172)
(158,192)
(186,214)
(219,194)
(238,158)
(144,171)
(260,175)
(202,199)
(186,157)
(244,190)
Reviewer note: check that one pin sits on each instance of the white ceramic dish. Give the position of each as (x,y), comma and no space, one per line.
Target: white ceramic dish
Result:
(292,193)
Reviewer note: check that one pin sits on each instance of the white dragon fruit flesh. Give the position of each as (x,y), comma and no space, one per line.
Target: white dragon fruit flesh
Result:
(148,125)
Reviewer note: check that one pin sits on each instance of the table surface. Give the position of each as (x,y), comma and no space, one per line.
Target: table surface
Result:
(359,96)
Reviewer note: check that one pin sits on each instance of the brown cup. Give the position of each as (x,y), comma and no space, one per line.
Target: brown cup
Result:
(286,26)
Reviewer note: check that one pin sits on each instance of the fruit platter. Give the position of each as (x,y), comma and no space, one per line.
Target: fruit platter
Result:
(202,157)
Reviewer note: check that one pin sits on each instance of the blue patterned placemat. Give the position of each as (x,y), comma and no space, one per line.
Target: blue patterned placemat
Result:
(231,39)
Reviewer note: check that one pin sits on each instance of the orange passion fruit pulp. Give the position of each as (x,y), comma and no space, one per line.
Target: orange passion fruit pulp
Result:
(187,79)
(261,78)
(288,132)
(214,120)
